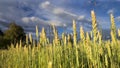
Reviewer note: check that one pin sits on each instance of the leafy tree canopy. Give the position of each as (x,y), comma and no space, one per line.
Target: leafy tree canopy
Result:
(14,33)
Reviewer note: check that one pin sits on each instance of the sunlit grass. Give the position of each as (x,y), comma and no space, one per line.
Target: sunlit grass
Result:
(65,53)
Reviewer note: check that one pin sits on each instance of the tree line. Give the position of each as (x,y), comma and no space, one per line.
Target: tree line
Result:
(13,34)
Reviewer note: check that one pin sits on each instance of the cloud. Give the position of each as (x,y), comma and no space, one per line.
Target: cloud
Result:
(81,17)
(25,19)
(110,11)
(28,13)
(58,11)
(35,20)
(45,4)
(117,18)
(57,23)
(15,10)
(60,15)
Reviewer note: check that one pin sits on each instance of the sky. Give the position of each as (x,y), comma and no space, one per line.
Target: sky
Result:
(29,13)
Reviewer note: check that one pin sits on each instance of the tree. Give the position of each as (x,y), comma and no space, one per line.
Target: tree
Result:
(3,42)
(1,33)
(15,33)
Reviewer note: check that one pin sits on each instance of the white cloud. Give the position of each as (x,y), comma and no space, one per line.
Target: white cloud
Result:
(60,14)
(25,19)
(33,20)
(37,20)
(57,23)
(58,11)
(118,18)
(110,11)
(81,17)
(45,4)
(38,12)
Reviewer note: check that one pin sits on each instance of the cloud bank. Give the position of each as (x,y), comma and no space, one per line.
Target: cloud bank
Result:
(29,13)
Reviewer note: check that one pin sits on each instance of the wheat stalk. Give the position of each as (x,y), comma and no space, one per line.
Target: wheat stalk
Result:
(56,39)
(74,33)
(82,34)
(94,26)
(30,36)
(43,38)
(113,28)
(119,32)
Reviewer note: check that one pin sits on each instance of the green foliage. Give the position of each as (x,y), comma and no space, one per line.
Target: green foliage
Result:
(4,43)
(14,33)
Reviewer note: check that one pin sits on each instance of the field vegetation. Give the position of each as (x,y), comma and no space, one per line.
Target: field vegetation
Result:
(91,51)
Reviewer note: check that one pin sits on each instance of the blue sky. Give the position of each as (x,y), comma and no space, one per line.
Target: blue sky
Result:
(29,13)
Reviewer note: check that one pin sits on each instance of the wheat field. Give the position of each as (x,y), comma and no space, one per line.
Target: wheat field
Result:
(91,51)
